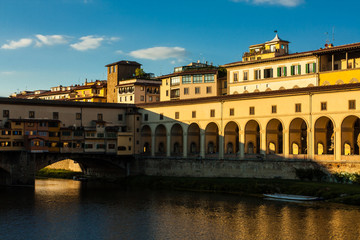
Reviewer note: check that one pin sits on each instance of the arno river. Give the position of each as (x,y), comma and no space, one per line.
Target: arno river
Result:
(66,209)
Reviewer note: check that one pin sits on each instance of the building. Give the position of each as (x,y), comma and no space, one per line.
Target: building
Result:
(193,81)
(269,66)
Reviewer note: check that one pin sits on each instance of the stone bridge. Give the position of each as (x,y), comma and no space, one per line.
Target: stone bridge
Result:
(19,168)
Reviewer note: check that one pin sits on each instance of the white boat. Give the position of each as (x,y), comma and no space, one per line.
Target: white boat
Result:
(292,197)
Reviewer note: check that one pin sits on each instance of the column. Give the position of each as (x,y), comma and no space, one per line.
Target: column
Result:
(153,142)
(221,146)
(241,144)
(337,144)
(185,144)
(310,144)
(202,143)
(168,144)
(286,144)
(347,60)
(263,143)
(332,62)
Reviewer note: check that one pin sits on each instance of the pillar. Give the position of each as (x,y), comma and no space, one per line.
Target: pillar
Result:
(221,146)
(332,62)
(241,144)
(168,144)
(263,143)
(185,144)
(286,145)
(310,144)
(153,142)
(202,143)
(337,144)
(347,60)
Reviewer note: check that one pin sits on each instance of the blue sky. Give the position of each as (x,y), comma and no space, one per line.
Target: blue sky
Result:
(46,43)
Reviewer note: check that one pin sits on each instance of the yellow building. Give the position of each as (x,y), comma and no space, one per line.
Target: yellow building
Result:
(90,92)
(192,81)
(269,66)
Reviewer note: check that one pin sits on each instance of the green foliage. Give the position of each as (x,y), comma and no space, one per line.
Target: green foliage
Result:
(139,72)
(344,177)
(57,173)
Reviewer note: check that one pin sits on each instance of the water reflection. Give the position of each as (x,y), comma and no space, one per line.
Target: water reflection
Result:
(65,209)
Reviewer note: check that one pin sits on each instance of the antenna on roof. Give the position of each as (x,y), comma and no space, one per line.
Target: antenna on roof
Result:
(275,31)
(327,38)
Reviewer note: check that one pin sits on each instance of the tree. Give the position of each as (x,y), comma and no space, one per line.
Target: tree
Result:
(139,72)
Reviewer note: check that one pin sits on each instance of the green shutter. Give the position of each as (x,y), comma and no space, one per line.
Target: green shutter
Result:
(285,71)
(299,69)
(278,72)
(314,67)
(292,70)
(307,68)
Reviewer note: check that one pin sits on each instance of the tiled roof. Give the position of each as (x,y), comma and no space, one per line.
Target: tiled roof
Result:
(123,62)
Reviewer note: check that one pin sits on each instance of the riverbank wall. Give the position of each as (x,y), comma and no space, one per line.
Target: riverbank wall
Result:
(282,169)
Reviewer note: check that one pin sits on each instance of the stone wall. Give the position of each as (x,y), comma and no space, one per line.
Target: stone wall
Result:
(239,169)
(67,164)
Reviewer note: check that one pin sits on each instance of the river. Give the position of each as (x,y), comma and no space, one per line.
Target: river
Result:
(66,209)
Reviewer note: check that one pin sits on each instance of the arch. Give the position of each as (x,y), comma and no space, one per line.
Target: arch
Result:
(256,90)
(274,135)
(193,139)
(281,88)
(212,138)
(176,140)
(339,82)
(311,85)
(324,134)
(296,86)
(298,136)
(350,134)
(231,138)
(246,91)
(146,140)
(252,137)
(325,83)
(235,92)
(354,80)
(160,140)
(268,89)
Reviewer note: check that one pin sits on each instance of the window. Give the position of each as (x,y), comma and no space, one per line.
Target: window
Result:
(88,146)
(252,110)
(67,133)
(296,70)
(31,114)
(209,78)
(6,113)
(99,117)
(232,112)
(78,116)
(111,146)
(175,81)
(257,74)
(311,68)
(55,115)
(298,107)
(281,71)
(352,104)
(186,79)
(235,77)
(323,106)
(193,114)
(208,89)
(273,109)
(131,98)
(150,99)
(245,75)
(17,132)
(177,115)
(186,91)
(100,135)
(212,113)
(167,93)
(197,79)
(142,88)
(146,117)
(5,132)
(120,117)
(161,116)
(197,90)
(268,73)
(110,69)
(225,84)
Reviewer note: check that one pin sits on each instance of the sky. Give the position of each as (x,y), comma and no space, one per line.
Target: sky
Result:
(46,43)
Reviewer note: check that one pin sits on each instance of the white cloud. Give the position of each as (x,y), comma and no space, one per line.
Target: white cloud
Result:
(286,3)
(158,53)
(7,73)
(24,42)
(87,42)
(119,52)
(50,40)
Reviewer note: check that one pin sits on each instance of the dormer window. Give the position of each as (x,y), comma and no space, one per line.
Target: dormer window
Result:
(272,48)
